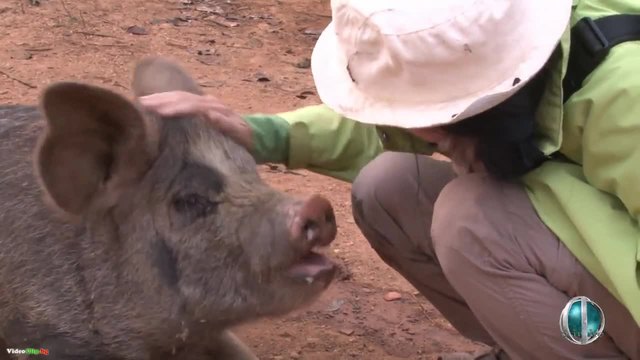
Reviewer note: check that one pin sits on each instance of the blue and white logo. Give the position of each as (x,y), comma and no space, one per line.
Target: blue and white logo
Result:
(582,321)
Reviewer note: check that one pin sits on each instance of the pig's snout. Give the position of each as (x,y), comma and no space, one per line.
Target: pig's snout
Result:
(314,223)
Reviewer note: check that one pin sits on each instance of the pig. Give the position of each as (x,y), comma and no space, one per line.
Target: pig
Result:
(124,235)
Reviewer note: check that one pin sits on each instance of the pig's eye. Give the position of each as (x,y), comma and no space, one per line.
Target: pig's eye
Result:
(194,205)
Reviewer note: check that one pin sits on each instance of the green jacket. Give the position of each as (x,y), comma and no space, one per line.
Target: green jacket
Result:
(590,200)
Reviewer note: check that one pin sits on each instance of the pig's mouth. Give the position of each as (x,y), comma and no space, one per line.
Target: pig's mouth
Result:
(312,267)
(313,228)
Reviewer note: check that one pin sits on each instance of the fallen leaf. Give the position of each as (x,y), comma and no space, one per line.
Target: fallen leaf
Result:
(206,52)
(260,17)
(21,55)
(254,43)
(207,60)
(305,94)
(180,20)
(260,77)
(206,9)
(206,56)
(347,332)
(392,296)
(273,167)
(211,84)
(335,305)
(137,30)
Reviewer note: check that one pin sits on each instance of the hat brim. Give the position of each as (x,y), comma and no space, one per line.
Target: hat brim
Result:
(337,90)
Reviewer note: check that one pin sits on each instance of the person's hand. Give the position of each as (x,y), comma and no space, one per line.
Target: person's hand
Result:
(181,103)
(460,149)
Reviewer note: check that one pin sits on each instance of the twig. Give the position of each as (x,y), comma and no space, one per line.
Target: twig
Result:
(64,6)
(96,44)
(22,6)
(115,83)
(312,14)
(84,24)
(237,46)
(95,34)
(18,80)
(180,46)
(38,49)
(424,310)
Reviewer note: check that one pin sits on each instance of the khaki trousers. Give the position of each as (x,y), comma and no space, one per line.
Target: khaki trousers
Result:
(476,249)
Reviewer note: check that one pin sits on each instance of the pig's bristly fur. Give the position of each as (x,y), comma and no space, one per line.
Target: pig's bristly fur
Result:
(174,236)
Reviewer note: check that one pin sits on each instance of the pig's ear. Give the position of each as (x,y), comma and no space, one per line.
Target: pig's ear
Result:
(96,142)
(157,74)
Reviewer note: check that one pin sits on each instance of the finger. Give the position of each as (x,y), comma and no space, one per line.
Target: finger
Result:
(174,103)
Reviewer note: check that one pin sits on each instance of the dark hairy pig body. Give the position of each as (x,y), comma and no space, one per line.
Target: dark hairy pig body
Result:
(125,236)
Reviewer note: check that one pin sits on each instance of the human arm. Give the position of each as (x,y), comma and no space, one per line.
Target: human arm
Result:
(314,138)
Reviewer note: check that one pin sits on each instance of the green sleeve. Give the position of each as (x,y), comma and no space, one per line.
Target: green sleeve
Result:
(315,138)
(270,138)
(611,127)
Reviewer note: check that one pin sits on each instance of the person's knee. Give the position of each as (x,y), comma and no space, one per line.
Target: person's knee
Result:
(464,226)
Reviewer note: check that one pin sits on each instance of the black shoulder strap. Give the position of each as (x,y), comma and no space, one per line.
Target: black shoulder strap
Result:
(591,41)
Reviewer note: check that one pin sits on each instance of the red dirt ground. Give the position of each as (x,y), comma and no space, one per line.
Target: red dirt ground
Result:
(232,47)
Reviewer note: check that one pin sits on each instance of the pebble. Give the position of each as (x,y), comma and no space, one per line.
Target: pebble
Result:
(392,296)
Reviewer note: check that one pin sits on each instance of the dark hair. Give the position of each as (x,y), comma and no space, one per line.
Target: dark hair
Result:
(505,133)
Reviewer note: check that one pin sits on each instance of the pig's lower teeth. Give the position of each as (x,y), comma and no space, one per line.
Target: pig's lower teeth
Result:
(308,279)
(319,249)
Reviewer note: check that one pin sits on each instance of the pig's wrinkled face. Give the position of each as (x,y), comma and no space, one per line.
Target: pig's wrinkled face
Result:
(225,239)
(183,203)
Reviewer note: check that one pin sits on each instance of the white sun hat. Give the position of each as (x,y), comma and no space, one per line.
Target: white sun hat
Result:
(421,63)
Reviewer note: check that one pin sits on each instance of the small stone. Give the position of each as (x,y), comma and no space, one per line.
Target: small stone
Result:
(392,296)
(294,355)
(313,32)
(303,64)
